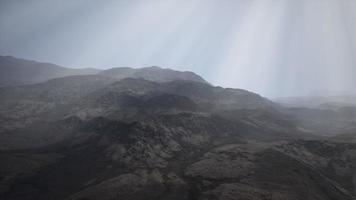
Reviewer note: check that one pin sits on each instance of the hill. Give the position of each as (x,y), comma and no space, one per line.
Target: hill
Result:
(15,71)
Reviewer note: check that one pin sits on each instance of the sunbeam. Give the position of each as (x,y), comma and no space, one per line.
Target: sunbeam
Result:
(262,45)
(177,99)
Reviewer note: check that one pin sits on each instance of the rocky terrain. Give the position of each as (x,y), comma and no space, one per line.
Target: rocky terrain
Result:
(156,133)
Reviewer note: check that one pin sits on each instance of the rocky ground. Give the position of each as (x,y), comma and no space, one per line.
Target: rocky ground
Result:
(100,137)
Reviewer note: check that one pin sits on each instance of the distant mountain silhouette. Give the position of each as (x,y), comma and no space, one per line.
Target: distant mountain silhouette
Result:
(15,71)
(322,101)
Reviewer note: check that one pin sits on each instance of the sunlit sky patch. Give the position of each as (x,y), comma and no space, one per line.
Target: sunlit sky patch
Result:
(273,47)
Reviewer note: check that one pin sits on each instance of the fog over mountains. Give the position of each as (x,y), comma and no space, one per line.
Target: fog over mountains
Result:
(178,100)
(274,48)
(15,71)
(155,133)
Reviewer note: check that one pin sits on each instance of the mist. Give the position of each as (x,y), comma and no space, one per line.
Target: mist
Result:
(177,99)
(272,47)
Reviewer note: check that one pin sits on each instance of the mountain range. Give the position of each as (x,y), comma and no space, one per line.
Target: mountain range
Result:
(155,133)
(15,72)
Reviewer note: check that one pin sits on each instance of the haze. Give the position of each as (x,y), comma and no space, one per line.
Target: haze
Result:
(272,47)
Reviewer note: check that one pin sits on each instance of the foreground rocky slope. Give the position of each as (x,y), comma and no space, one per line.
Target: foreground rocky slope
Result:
(101,167)
(94,137)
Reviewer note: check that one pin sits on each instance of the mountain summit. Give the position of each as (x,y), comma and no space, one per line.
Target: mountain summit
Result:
(156,74)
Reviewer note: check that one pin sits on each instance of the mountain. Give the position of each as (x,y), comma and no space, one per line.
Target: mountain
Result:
(323,115)
(155,74)
(15,71)
(166,135)
(207,97)
(322,102)
(92,96)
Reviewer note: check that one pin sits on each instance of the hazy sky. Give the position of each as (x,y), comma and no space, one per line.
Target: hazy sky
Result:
(273,47)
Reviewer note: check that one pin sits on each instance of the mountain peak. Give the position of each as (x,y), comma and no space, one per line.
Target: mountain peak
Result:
(153,73)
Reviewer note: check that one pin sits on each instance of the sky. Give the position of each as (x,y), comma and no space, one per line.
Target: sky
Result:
(273,47)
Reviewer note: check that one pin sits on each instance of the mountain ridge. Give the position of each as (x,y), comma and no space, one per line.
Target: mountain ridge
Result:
(16,71)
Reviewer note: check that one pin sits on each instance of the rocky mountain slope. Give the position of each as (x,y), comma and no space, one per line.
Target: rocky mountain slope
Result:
(143,137)
(129,99)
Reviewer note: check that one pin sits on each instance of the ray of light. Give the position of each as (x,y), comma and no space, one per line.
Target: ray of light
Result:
(274,47)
